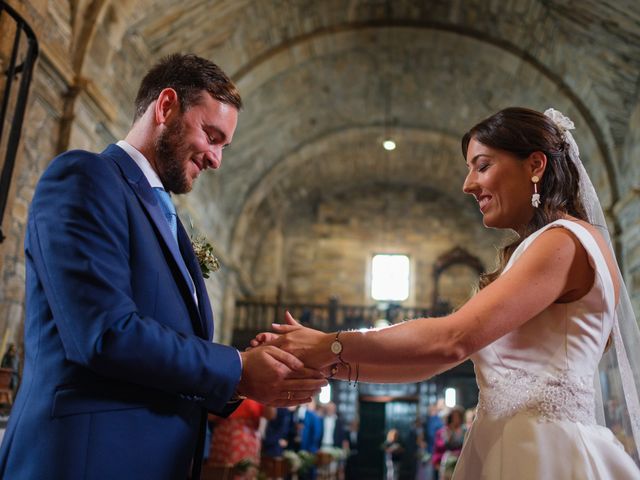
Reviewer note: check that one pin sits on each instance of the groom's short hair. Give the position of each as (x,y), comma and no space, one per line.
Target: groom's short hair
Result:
(189,75)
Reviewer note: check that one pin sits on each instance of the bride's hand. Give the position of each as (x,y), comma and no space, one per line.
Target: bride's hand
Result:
(309,345)
(269,338)
(264,338)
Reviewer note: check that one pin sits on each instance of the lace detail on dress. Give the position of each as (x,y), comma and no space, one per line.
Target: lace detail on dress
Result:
(550,397)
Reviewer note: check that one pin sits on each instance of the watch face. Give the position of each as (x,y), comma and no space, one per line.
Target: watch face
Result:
(336,347)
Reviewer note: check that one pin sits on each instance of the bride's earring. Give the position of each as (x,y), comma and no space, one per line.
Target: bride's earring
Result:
(535,198)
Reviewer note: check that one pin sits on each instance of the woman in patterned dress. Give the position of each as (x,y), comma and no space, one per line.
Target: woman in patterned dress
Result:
(236,440)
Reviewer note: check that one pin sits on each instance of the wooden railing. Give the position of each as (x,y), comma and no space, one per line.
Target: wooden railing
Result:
(252,316)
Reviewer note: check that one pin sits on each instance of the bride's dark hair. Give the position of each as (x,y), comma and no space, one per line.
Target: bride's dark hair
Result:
(521,131)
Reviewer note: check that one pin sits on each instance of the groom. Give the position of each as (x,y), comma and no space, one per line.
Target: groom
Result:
(120,370)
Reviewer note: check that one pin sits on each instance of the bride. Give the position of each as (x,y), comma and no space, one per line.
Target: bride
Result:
(537,329)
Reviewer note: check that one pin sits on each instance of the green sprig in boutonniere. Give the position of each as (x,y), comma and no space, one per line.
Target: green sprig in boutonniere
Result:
(204,253)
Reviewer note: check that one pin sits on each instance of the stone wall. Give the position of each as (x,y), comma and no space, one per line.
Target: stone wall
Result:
(627,211)
(39,142)
(328,252)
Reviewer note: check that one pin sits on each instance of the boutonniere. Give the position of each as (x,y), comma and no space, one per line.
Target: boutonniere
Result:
(204,253)
(203,250)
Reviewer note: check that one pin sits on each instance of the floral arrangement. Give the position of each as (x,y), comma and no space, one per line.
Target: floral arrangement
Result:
(243,466)
(292,459)
(335,452)
(307,459)
(448,465)
(204,253)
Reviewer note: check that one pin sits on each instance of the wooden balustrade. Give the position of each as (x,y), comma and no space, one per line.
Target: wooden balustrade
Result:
(252,316)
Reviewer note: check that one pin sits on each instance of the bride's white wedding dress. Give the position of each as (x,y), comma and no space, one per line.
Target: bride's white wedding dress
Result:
(536,412)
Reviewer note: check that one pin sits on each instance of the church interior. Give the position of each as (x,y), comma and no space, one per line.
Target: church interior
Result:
(347,152)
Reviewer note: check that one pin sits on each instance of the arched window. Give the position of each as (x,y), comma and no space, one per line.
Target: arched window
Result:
(454,257)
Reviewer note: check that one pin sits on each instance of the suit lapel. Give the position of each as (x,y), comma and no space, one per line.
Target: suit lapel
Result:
(193,266)
(149,202)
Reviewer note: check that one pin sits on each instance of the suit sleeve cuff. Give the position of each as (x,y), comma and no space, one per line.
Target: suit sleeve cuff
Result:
(236,397)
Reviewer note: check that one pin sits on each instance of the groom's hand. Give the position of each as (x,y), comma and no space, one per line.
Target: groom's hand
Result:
(274,377)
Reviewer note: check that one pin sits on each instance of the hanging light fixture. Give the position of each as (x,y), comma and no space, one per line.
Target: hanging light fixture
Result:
(387,141)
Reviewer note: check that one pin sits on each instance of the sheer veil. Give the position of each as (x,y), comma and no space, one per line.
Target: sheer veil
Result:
(618,379)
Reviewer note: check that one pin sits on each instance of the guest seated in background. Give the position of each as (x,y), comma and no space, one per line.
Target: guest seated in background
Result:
(11,360)
(276,439)
(393,452)
(421,448)
(236,439)
(333,432)
(310,427)
(432,424)
(276,434)
(448,443)
(334,436)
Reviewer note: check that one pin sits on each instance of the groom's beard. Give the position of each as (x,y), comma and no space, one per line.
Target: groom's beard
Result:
(171,158)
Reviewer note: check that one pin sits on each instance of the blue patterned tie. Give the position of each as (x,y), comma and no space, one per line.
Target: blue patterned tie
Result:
(169,210)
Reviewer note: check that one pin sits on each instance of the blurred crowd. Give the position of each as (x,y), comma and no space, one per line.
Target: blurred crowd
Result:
(440,438)
(311,442)
(257,438)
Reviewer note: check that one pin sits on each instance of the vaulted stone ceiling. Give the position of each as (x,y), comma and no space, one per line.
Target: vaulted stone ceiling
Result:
(324,81)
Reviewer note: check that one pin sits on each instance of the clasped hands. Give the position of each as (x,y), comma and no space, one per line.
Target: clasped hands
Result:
(286,367)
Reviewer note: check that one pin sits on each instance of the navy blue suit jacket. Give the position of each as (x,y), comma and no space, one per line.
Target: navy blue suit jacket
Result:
(277,429)
(119,366)
(311,432)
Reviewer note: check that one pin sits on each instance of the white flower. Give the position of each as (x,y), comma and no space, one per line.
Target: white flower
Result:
(294,460)
(203,251)
(564,123)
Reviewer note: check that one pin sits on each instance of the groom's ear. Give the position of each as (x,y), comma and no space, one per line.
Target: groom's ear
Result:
(166,105)
(537,164)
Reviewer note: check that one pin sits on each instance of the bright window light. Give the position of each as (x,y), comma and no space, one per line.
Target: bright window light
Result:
(389,145)
(325,394)
(450,397)
(390,277)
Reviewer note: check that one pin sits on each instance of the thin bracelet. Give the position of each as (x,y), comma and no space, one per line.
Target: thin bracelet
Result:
(342,345)
(340,359)
(355,383)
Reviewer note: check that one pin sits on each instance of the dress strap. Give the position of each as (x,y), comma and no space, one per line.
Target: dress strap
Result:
(590,245)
